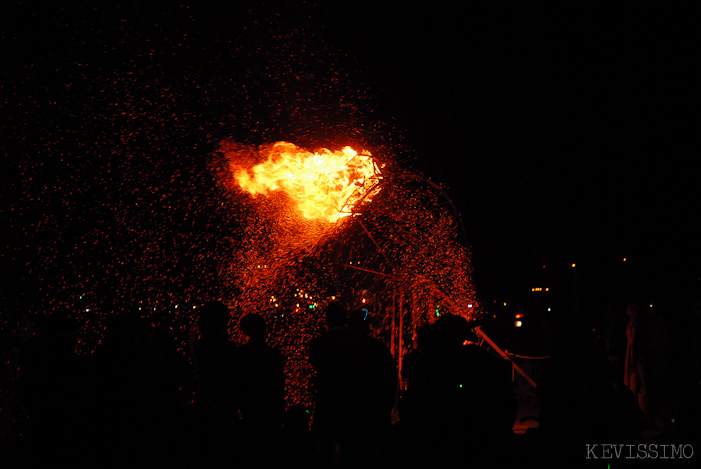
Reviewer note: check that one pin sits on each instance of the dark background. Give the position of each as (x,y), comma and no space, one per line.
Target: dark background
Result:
(564,134)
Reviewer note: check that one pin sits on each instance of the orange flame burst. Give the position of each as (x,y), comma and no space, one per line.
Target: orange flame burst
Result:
(324,185)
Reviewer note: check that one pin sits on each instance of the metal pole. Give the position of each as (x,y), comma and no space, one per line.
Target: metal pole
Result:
(503,354)
(576,292)
(400,353)
(414,314)
(375,243)
(393,324)
(370,271)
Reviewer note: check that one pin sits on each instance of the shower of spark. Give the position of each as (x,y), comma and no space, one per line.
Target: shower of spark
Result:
(110,204)
(288,264)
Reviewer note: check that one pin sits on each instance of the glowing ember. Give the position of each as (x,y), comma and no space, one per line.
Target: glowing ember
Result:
(324,185)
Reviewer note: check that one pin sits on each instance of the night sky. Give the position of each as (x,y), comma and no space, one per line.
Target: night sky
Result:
(563,134)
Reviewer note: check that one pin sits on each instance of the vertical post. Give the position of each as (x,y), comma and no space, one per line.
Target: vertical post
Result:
(375,310)
(415,312)
(400,353)
(576,292)
(393,324)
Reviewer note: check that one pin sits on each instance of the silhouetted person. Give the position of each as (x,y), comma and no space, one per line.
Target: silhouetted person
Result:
(331,355)
(298,445)
(634,375)
(461,406)
(375,383)
(53,382)
(261,378)
(218,396)
(688,377)
(167,381)
(413,361)
(617,340)
(645,359)
(136,400)
(581,401)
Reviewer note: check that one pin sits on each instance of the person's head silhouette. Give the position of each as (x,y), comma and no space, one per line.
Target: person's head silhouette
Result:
(253,326)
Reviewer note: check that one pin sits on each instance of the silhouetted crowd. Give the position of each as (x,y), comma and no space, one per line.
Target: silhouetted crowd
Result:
(131,404)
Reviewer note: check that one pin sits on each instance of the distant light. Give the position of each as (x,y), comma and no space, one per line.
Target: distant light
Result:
(504,303)
(518,324)
(80,297)
(154,309)
(469,305)
(519,316)
(461,385)
(363,300)
(176,306)
(547,289)
(87,310)
(549,309)
(574,265)
(194,307)
(624,259)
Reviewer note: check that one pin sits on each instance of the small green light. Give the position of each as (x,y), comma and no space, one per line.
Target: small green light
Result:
(461,385)
(80,297)
(308,411)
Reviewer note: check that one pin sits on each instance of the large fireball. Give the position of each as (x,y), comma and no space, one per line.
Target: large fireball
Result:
(324,185)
